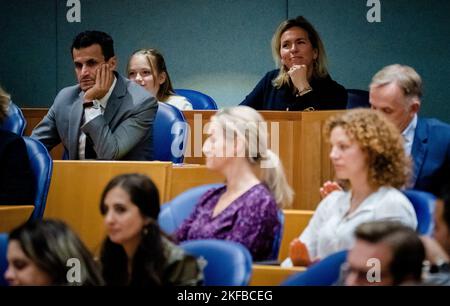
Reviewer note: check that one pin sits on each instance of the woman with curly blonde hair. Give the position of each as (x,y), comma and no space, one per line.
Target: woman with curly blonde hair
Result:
(367,152)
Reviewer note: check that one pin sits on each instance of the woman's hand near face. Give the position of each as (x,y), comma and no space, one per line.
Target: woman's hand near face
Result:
(328,187)
(299,253)
(299,77)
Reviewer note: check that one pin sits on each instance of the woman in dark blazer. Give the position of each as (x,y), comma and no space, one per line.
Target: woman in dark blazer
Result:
(303,81)
(16,178)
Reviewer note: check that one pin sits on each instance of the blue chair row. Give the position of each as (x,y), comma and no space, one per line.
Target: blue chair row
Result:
(15,121)
(174,212)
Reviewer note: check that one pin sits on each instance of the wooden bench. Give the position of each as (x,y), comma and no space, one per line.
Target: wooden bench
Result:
(76,187)
(12,216)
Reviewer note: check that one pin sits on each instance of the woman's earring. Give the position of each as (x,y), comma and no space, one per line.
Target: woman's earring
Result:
(145,231)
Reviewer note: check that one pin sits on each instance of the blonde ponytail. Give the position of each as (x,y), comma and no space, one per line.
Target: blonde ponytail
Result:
(248,124)
(272,174)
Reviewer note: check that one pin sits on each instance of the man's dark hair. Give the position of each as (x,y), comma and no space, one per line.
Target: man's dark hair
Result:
(408,252)
(88,38)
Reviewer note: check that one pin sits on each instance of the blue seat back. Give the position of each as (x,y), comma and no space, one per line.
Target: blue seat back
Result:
(278,236)
(357,98)
(41,165)
(15,121)
(3,261)
(170,131)
(324,273)
(198,99)
(423,203)
(228,263)
(174,212)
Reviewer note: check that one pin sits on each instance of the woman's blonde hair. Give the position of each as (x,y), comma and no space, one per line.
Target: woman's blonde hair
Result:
(320,64)
(382,142)
(4,104)
(158,65)
(248,124)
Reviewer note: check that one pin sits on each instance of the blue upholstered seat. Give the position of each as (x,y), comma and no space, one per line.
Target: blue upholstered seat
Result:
(15,121)
(198,99)
(170,131)
(228,263)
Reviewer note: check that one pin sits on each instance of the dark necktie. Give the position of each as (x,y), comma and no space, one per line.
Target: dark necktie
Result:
(89,152)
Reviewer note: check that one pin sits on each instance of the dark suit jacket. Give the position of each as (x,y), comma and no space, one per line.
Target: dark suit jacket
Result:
(431,155)
(16,179)
(123,132)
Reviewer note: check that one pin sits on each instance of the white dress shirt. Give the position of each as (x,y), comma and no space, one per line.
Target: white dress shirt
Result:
(91,113)
(330,230)
(408,135)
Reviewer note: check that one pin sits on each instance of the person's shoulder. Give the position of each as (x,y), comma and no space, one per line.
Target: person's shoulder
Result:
(390,197)
(270,75)
(435,124)
(329,82)
(134,93)
(390,192)
(260,191)
(337,196)
(68,94)
(210,193)
(179,102)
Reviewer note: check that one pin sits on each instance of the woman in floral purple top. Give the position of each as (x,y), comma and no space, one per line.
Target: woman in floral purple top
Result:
(245,210)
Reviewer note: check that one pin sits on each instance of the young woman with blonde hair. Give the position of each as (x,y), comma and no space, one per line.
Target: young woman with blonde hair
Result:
(245,209)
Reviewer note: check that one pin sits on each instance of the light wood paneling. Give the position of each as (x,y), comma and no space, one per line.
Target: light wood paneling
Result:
(33,117)
(301,147)
(295,221)
(76,188)
(12,216)
(263,275)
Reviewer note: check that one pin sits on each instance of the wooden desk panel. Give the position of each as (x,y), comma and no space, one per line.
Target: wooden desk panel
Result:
(12,216)
(76,188)
(302,149)
(272,275)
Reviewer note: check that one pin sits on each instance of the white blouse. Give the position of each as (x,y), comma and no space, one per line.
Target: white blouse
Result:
(330,231)
(179,102)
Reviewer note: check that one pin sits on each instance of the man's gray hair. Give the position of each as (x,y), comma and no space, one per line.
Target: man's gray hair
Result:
(404,76)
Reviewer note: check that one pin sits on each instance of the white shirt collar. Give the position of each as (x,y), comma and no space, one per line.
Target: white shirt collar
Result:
(408,135)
